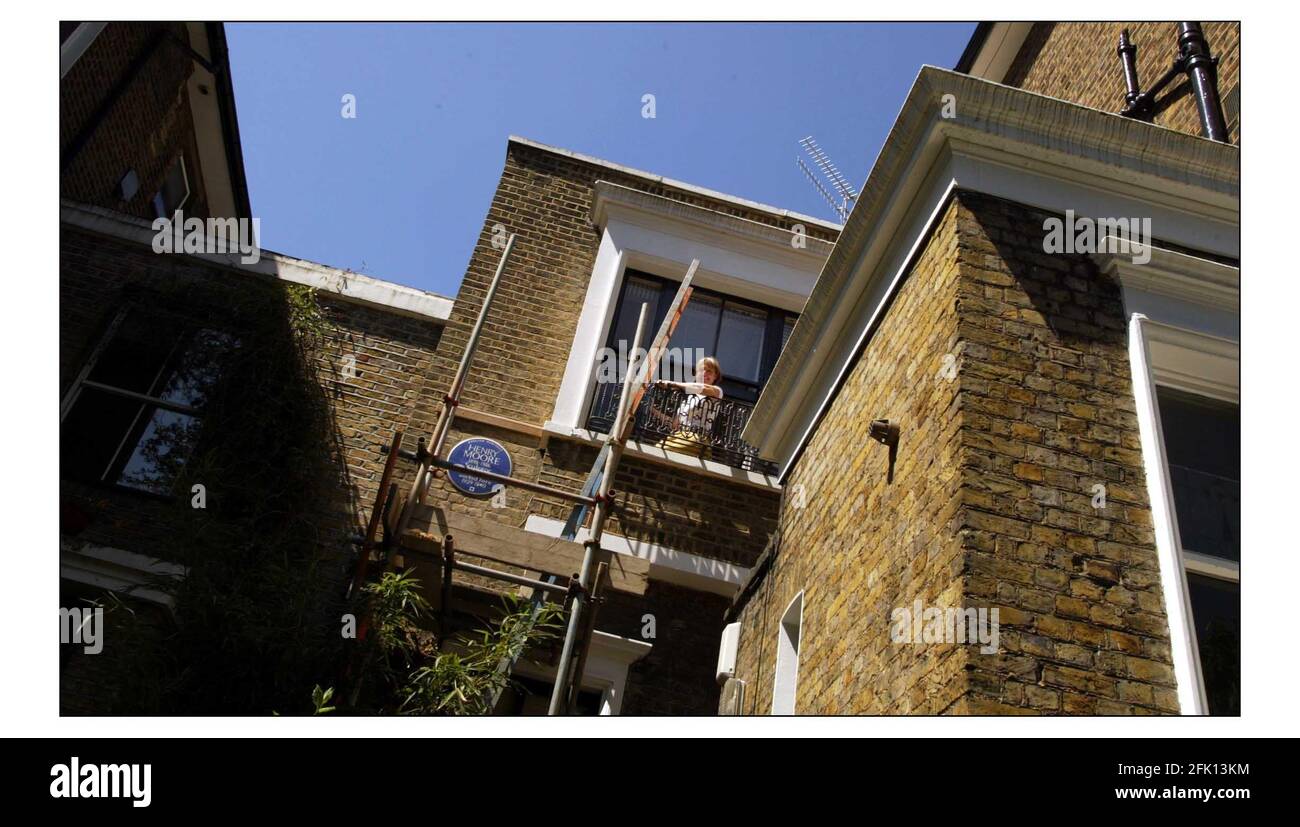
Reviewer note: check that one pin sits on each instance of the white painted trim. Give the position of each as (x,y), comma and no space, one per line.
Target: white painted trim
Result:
(1029,148)
(661,238)
(593,323)
(740,258)
(1178,604)
(116,570)
(937,207)
(344,284)
(999,51)
(71,50)
(1211,566)
(668,565)
(606,669)
(612,199)
(658,454)
(1175,275)
(785,703)
(1194,362)
(213,163)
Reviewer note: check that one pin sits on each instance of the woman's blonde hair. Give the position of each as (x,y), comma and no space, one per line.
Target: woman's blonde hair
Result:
(708,362)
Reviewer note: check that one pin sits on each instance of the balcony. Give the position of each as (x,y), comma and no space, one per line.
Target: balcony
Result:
(675,421)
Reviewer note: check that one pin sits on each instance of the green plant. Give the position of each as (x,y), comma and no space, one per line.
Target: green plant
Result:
(319,699)
(256,615)
(466,682)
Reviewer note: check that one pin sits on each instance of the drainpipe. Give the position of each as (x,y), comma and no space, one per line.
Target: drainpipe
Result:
(1194,51)
(1195,61)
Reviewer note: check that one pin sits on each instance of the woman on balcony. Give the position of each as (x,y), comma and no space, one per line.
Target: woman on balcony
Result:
(692,425)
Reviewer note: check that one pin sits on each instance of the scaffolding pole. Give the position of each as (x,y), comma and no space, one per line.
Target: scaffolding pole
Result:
(592,549)
(629,401)
(596,494)
(420,485)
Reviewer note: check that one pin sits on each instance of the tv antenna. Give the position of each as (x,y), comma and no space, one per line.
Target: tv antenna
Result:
(832,175)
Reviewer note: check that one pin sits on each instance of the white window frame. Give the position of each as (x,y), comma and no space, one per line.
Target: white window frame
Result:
(185,176)
(741,259)
(1163,355)
(789,643)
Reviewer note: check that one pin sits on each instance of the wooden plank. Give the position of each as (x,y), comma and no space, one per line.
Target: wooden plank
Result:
(646,373)
(503,422)
(511,546)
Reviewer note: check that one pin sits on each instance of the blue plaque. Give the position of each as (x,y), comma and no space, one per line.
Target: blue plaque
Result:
(484,454)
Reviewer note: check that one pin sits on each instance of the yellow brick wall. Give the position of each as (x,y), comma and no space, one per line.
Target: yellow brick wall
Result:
(858,545)
(992,503)
(1078,62)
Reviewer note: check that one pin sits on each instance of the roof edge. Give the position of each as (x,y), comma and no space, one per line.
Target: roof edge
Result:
(675,184)
(344,284)
(973,47)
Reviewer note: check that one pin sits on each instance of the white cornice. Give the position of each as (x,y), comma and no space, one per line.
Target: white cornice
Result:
(1175,275)
(691,220)
(1040,151)
(1193,361)
(346,285)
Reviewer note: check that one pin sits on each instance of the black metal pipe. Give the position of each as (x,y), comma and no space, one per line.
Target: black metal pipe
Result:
(1194,51)
(1128,58)
(1143,106)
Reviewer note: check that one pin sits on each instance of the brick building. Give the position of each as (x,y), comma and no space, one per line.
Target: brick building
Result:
(1020,380)
(1067,447)
(183,370)
(595,240)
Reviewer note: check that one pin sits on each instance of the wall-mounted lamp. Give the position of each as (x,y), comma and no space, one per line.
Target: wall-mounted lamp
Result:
(886,433)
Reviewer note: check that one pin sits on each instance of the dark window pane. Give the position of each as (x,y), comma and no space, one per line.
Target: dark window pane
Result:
(696,333)
(740,342)
(158,458)
(174,193)
(111,438)
(135,358)
(196,369)
(93,431)
(1203,446)
(636,292)
(1216,611)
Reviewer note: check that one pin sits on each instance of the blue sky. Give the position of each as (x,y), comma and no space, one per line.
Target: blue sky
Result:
(401,191)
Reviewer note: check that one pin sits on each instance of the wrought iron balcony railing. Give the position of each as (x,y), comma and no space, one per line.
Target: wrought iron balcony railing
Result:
(698,425)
